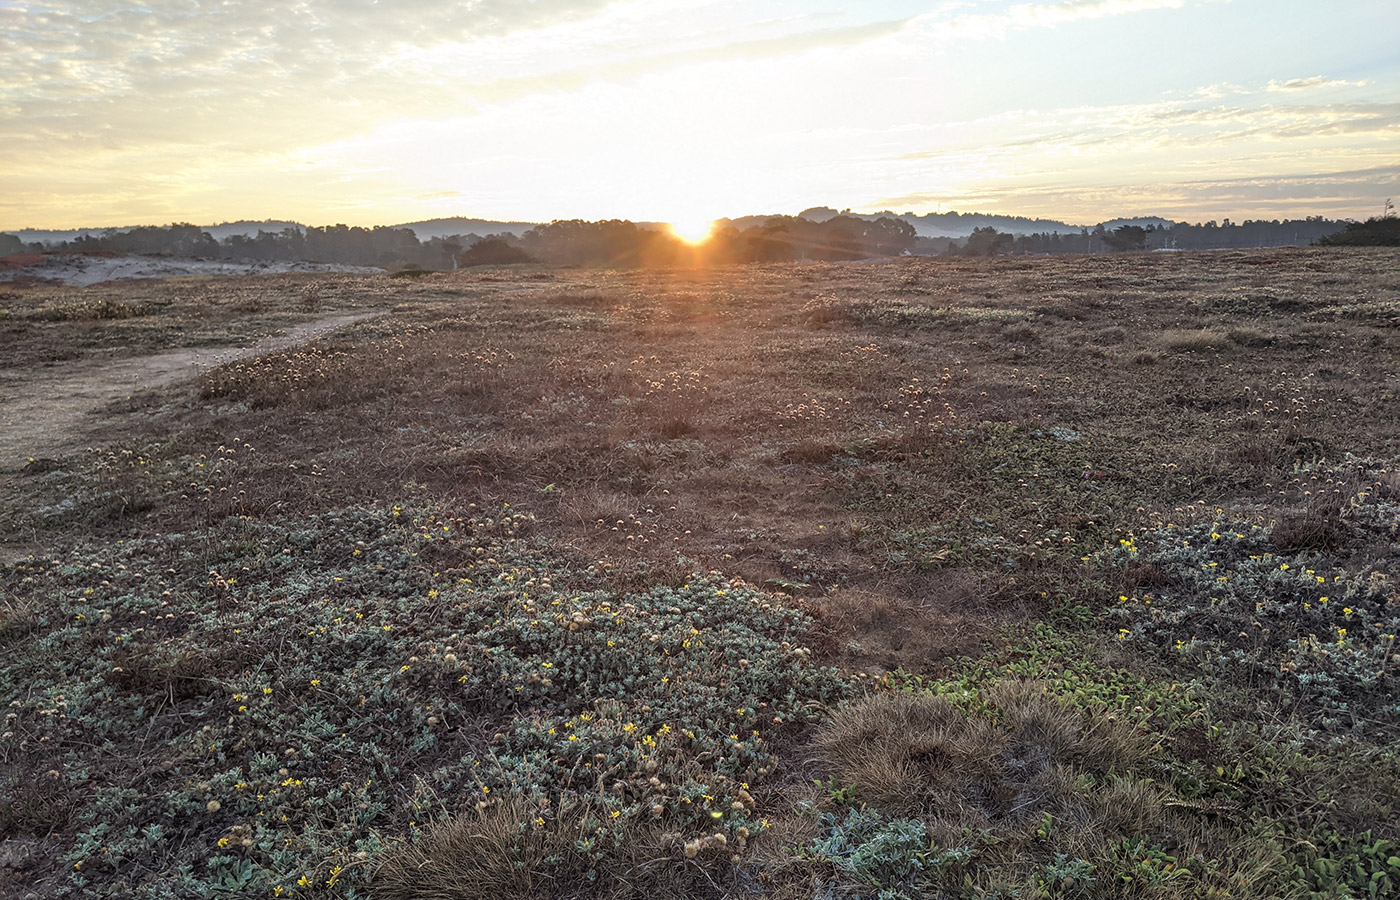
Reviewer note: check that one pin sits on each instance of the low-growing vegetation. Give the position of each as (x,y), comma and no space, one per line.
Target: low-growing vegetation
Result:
(931,579)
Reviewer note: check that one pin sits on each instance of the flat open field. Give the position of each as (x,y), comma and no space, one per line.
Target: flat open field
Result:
(1060,577)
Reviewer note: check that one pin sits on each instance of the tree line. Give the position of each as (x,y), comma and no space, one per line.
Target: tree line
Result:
(627,244)
(565,243)
(348,245)
(778,239)
(1178,236)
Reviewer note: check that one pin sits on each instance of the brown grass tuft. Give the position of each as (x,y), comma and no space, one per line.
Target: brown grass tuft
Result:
(1193,340)
(513,852)
(1246,336)
(17,618)
(35,798)
(496,854)
(920,755)
(1318,527)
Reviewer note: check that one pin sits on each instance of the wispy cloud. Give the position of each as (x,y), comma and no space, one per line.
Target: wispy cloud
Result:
(1290,86)
(238,77)
(1164,125)
(1051,14)
(949,25)
(1320,192)
(1305,84)
(112,73)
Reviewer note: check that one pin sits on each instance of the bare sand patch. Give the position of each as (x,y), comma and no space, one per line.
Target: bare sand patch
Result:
(82,270)
(43,412)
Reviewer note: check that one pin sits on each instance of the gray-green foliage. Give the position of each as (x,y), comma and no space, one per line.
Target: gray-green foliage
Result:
(1294,626)
(873,855)
(267,706)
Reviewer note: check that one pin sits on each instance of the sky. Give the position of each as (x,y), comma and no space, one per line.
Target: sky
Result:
(124,112)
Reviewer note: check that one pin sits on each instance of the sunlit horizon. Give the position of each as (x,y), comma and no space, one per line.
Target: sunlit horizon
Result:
(694,231)
(1073,110)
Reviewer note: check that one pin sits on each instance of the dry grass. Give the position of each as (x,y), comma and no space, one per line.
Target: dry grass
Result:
(916,453)
(1020,758)
(889,629)
(18,618)
(509,852)
(45,324)
(1193,340)
(496,853)
(792,424)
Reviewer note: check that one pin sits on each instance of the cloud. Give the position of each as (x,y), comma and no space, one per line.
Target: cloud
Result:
(1316,81)
(592,106)
(1259,156)
(1048,15)
(1219,91)
(1022,16)
(1293,86)
(1228,124)
(1164,125)
(239,78)
(108,72)
(1326,192)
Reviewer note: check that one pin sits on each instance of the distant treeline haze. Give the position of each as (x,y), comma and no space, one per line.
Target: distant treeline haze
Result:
(623,243)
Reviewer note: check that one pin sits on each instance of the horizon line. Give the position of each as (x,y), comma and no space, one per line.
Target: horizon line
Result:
(648,221)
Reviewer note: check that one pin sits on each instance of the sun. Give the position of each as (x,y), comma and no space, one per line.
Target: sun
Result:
(692,230)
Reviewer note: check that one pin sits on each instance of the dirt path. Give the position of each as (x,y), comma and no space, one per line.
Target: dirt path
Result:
(43,412)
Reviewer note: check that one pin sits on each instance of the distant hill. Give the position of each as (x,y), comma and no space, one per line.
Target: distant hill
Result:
(246,228)
(954,224)
(959,225)
(385,245)
(43,236)
(1141,222)
(218,232)
(425,231)
(439,228)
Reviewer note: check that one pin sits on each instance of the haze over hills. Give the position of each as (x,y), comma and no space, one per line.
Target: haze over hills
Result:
(819,233)
(929,225)
(441,228)
(950,224)
(220,232)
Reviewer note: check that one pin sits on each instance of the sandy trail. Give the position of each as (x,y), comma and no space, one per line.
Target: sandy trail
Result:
(44,412)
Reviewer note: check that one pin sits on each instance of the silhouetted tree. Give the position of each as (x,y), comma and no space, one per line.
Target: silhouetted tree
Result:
(987,242)
(611,243)
(889,237)
(1126,237)
(494,251)
(1380,232)
(451,248)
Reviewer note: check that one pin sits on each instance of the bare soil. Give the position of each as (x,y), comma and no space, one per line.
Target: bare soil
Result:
(83,269)
(43,413)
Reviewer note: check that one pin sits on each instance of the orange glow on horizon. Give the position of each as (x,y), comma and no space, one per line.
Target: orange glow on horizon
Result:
(693,231)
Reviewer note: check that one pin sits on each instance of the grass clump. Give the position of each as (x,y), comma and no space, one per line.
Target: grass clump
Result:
(923,754)
(1007,791)
(91,309)
(1015,790)
(1193,340)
